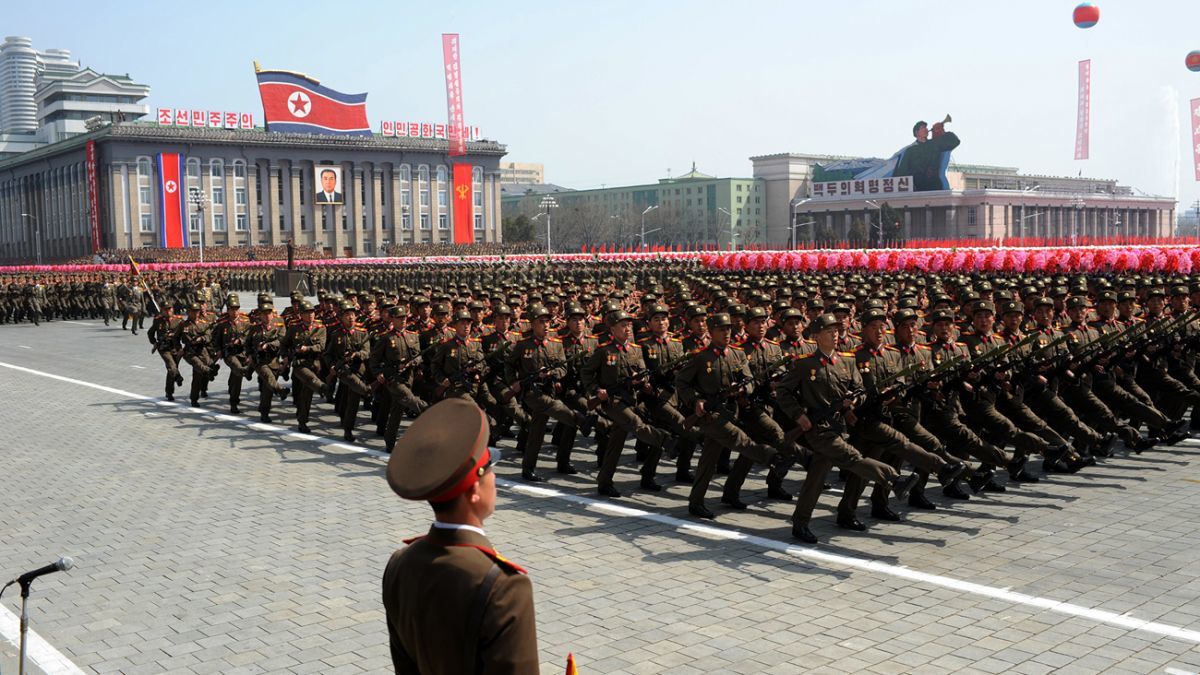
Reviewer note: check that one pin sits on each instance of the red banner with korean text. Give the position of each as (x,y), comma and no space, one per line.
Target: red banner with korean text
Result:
(93,190)
(1196,135)
(456,126)
(1083,118)
(464,204)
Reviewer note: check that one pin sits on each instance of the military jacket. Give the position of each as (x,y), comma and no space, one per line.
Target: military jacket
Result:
(611,367)
(459,360)
(265,341)
(712,372)
(311,339)
(393,348)
(817,385)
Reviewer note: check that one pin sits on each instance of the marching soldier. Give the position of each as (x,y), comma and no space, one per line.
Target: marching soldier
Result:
(164,335)
(347,349)
(195,334)
(264,339)
(615,374)
(229,342)
(304,345)
(395,356)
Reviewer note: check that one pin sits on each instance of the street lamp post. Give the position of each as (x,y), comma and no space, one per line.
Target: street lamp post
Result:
(548,203)
(876,205)
(1078,204)
(37,236)
(1022,220)
(199,199)
(795,203)
(797,226)
(732,233)
(648,210)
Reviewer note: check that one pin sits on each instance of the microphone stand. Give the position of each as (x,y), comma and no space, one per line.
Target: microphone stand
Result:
(24,623)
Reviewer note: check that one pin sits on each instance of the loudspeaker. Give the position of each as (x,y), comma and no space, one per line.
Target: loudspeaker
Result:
(289,281)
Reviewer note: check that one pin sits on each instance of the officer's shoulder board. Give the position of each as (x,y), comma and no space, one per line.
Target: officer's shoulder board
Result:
(960,344)
(770,341)
(925,347)
(847,354)
(737,347)
(555,339)
(809,341)
(891,348)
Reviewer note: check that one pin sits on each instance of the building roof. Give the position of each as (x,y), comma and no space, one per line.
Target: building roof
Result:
(154,133)
(691,175)
(521,189)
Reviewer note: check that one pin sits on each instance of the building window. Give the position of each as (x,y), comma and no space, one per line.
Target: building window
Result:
(218,195)
(368,247)
(739,187)
(406,221)
(443,200)
(739,200)
(194,222)
(216,169)
(146,224)
(239,169)
(143,167)
(193,168)
(423,184)
(478,221)
(972,216)
(218,222)
(239,196)
(425,221)
(144,195)
(240,222)
(443,222)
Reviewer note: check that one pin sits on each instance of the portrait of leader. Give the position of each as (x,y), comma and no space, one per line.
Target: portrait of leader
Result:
(329,185)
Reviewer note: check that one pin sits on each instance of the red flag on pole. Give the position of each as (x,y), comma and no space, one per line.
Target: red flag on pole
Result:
(456,126)
(464,204)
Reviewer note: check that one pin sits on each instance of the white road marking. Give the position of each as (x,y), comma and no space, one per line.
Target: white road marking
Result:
(42,654)
(724,533)
(25,347)
(1177,671)
(138,367)
(82,323)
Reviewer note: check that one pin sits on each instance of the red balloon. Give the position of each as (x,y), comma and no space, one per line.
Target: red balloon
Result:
(1193,61)
(1086,15)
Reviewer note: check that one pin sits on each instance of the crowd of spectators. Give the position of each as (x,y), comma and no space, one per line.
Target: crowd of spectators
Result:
(302,252)
(479,248)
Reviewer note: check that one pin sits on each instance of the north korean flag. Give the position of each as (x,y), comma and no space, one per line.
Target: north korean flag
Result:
(297,104)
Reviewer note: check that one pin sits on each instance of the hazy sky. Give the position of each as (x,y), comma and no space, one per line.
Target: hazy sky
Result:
(619,92)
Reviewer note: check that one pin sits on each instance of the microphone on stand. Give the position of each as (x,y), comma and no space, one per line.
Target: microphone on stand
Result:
(62,564)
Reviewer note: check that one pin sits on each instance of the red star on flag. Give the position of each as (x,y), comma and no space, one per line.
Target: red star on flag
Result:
(299,103)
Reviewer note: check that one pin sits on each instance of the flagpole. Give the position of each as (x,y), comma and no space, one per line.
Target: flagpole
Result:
(137,273)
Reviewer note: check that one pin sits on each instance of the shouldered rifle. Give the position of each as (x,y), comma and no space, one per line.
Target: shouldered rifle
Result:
(717,404)
(528,380)
(393,370)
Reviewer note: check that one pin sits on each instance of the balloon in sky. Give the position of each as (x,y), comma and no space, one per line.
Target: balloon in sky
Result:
(1193,61)
(1086,15)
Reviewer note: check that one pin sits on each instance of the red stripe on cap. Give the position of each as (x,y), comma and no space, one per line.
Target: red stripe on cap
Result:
(464,483)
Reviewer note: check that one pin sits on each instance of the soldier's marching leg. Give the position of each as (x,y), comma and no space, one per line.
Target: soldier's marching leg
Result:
(305,382)
(237,373)
(173,377)
(402,398)
(355,390)
(831,449)
(720,433)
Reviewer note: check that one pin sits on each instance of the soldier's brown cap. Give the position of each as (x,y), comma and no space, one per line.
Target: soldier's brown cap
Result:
(195,307)
(1043,301)
(719,319)
(839,307)
(737,309)
(233,300)
(461,315)
(537,312)
(574,309)
(503,310)
(1012,307)
(791,313)
(297,295)
(941,315)
(1156,293)
(698,310)
(1125,296)
(903,315)
(397,311)
(756,313)
(441,308)
(475,305)
(348,306)
(266,304)
(983,306)
(1106,296)
(442,454)
(873,314)
(1179,291)
(657,309)
(825,321)
(617,317)
(305,306)
(1077,302)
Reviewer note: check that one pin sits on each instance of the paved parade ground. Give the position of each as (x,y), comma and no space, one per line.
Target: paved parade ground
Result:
(205,542)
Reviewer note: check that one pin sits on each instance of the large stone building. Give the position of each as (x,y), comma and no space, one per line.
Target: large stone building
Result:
(692,208)
(259,187)
(522,173)
(983,202)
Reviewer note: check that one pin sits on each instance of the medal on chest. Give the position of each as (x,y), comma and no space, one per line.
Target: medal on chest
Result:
(611,360)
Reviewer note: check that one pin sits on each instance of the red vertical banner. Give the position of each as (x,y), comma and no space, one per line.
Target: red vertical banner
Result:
(1196,135)
(464,204)
(456,126)
(172,233)
(93,188)
(1083,118)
